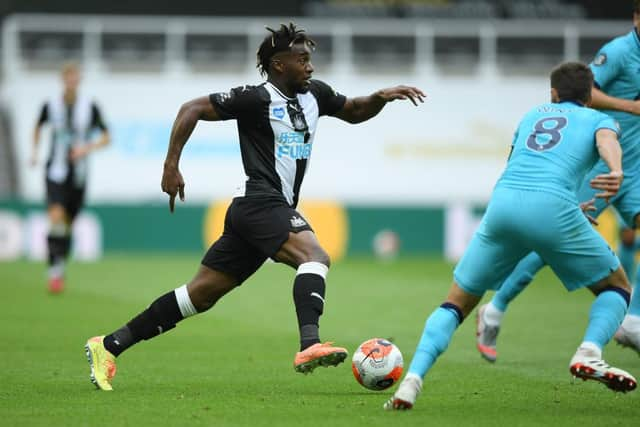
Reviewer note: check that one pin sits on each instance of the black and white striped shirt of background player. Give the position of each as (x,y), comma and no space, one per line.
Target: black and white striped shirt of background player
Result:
(276,133)
(71,124)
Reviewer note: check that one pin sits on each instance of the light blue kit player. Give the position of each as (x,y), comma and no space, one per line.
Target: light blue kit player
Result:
(616,70)
(534,208)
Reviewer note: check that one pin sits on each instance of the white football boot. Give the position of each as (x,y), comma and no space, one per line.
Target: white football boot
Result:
(589,365)
(406,395)
(626,338)
(486,336)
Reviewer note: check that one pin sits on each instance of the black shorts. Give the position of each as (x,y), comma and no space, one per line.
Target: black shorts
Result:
(67,195)
(255,229)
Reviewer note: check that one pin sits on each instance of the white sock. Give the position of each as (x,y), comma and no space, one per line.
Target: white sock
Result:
(590,349)
(631,322)
(184,302)
(56,270)
(492,316)
(313,267)
(412,375)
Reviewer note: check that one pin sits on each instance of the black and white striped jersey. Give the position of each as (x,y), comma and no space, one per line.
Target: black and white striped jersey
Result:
(276,133)
(71,124)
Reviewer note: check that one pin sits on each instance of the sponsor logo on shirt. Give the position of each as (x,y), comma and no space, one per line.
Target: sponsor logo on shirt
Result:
(600,59)
(278,112)
(291,144)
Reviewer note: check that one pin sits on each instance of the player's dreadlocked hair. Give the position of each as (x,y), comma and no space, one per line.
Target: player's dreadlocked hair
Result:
(280,40)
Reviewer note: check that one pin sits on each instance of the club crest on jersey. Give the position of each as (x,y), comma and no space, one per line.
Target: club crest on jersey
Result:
(297,222)
(298,122)
(278,112)
(600,59)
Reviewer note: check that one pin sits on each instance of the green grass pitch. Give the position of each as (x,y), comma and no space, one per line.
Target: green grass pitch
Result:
(232,366)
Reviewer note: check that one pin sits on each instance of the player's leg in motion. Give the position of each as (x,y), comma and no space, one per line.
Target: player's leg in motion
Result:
(489,316)
(607,312)
(437,334)
(303,252)
(627,250)
(628,335)
(199,295)
(58,244)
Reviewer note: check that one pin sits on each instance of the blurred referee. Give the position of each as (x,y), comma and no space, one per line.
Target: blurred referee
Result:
(72,119)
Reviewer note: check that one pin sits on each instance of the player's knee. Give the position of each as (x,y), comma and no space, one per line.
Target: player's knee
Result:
(205,294)
(628,237)
(319,255)
(57,216)
(323,257)
(311,253)
(617,279)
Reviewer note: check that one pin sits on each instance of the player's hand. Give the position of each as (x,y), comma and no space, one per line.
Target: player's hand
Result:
(589,206)
(172,184)
(402,92)
(609,183)
(78,152)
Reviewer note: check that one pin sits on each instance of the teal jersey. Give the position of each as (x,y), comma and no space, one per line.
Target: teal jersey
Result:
(553,149)
(616,69)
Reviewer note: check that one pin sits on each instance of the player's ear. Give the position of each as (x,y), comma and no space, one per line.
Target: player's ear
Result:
(554,95)
(277,65)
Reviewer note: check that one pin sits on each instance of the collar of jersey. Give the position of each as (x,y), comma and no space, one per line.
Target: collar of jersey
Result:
(280,92)
(636,36)
(571,102)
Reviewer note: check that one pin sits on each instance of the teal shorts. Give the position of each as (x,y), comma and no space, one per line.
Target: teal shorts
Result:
(519,221)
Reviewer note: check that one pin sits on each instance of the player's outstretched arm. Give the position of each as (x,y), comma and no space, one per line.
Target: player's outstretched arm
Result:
(34,147)
(84,150)
(611,153)
(188,116)
(42,119)
(602,101)
(360,109)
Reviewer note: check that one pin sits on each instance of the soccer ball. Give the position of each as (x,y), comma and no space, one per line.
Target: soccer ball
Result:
(377,364)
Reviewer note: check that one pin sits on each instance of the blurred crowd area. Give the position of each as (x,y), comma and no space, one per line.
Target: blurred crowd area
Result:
(457,35)
(469,9)
(473,9)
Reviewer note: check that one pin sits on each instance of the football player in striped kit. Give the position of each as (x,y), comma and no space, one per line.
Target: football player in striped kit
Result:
(277,123)
(72,118)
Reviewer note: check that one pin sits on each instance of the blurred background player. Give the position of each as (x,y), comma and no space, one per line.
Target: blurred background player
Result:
(277,123)
(534,207)
(72,118)
(616,92)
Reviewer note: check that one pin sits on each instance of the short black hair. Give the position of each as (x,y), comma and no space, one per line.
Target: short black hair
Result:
(573,81)
(280,40)
(636,6)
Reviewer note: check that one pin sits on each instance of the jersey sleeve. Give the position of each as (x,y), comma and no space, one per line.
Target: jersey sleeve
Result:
(329,101)
(44,114)
(236,104)
(607,64)
(96,118)
(606,122)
